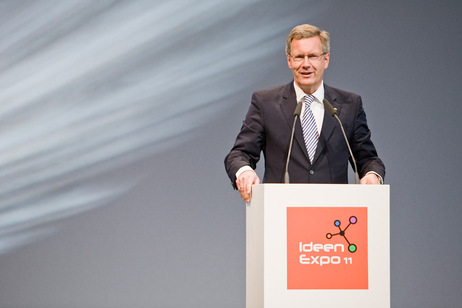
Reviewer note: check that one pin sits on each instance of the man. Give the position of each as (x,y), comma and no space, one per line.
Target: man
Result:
(319,153)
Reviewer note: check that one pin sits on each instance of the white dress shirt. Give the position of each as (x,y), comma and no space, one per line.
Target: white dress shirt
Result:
(317,106)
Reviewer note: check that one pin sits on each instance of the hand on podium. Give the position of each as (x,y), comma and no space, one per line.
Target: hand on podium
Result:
(244,184)
(371,178)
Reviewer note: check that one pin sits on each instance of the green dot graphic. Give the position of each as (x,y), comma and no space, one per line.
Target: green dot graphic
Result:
(352,248)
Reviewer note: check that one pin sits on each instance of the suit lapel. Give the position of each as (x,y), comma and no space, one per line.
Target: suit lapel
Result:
(328,123)
(288,106)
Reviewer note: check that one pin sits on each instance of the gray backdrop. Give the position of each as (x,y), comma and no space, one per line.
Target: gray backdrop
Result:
(116,117)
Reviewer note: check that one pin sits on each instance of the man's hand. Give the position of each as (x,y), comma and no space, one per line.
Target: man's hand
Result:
(370,178)
(244,184)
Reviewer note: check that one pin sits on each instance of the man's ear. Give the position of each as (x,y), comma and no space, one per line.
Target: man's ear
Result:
(326,63)
(288,61)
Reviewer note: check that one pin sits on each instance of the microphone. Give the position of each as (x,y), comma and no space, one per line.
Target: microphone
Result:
(333,112)
(297,112)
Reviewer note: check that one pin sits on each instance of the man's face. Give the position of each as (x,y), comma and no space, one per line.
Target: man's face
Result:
(308,72)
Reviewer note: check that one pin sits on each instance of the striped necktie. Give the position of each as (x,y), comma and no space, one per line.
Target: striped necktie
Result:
(310,129)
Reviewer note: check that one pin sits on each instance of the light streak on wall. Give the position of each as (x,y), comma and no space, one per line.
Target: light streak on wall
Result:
(87,87)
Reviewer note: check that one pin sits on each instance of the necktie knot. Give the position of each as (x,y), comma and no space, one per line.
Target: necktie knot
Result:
(309,99)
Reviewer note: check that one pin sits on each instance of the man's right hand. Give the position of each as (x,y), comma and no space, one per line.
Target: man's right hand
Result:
(244,184)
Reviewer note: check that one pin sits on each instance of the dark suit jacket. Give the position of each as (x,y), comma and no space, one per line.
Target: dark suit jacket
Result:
(267,128)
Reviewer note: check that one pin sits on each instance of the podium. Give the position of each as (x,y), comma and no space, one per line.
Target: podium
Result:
(318,245)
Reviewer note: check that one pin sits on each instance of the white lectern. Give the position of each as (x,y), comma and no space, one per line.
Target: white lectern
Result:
(318,245)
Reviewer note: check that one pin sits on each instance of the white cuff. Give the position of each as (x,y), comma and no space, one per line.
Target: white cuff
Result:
(378,175)
(242,169)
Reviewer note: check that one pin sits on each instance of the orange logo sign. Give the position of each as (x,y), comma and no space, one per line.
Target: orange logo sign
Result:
(327,248)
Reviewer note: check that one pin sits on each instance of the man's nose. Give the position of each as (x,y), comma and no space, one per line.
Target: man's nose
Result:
(306,61)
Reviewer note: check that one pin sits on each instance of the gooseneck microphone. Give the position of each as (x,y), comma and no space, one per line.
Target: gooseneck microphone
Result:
(297,112)
(333,112)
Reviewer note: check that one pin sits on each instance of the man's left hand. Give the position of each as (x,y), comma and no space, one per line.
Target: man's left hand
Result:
(370,178)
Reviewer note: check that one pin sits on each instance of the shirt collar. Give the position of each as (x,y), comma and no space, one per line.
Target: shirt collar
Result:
(318,94)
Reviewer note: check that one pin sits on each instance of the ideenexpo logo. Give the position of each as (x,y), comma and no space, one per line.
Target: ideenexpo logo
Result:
(323,253)
(337,223)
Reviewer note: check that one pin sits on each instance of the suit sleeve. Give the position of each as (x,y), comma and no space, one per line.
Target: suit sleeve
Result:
(249,142)
(362,147)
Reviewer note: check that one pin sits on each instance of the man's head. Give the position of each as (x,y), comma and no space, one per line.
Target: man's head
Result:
(307,31)
(307,50)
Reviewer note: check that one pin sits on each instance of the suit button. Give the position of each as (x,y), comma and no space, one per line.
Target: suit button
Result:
(311,171)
